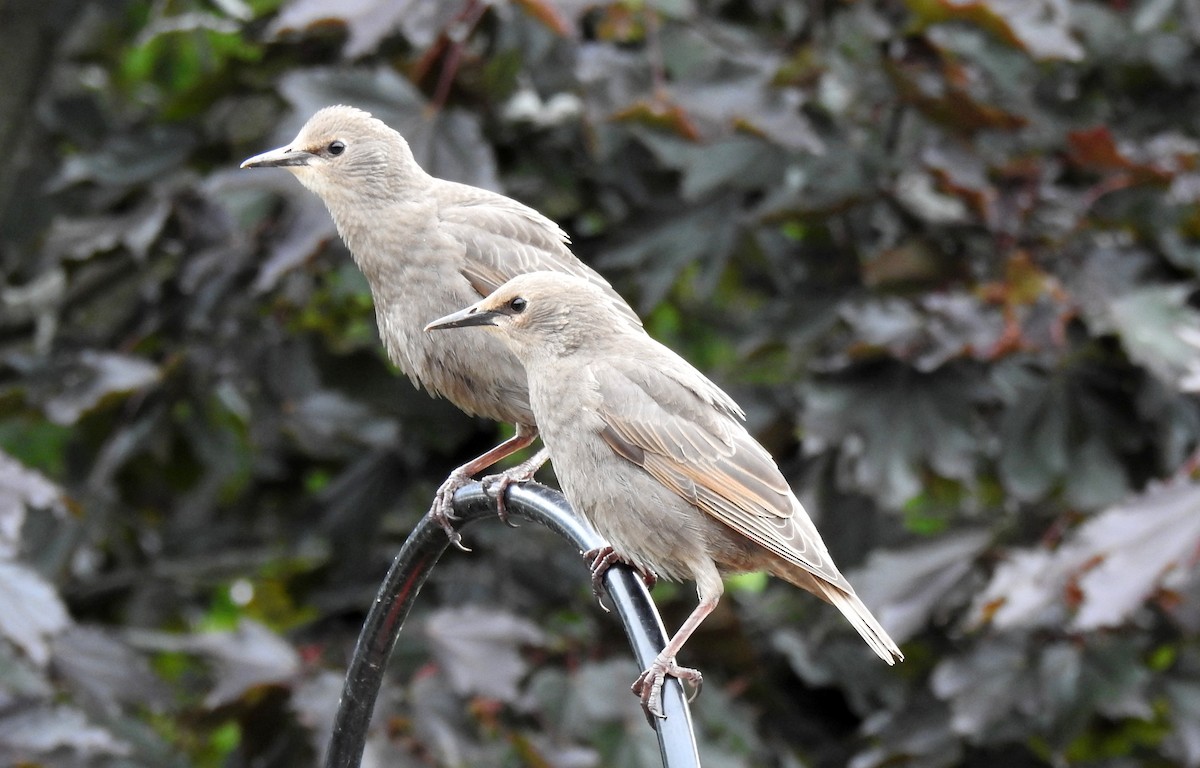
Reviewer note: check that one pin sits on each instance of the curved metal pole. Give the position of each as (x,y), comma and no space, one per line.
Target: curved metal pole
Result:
(410,569)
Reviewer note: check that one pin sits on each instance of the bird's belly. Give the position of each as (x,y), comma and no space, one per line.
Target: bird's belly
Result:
(641,519)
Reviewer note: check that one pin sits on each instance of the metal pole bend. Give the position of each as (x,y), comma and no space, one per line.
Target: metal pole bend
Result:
(412,566)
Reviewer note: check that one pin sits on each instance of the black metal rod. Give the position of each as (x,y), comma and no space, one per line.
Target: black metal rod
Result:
(412,566)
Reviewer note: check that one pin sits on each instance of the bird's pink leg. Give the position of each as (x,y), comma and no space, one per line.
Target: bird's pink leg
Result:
(648,686)
(442,511)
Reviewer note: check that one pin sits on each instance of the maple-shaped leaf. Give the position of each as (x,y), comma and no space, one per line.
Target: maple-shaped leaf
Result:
(1158,329)
(1125,552)
(31,612)
(894,426)
(1041,28)
(1067,431)
(905,587)
(1104,571)
(480,649)
(367,22)
(96,376)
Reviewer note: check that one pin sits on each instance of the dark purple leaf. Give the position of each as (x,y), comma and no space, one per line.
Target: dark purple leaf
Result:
(927,333)
(919,735)
(31,612)
(738,162)
(1158,330)
(306,226)
(330,425)
(1070,429)
(1114,562)
(612,80)
(244,658)
(480,649)
(79,239)
(33,734)
(893,426)
(127,159)
(368,22)
(669,246)
(98,375)
(984,686)
(906,588)
(1040,27)
(22,488)
(106,671)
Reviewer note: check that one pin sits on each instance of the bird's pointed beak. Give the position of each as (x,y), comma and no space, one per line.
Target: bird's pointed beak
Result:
(472,315)
(279,158)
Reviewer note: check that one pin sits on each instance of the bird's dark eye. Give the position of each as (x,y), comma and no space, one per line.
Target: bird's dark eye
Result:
(336,147)
(517,305)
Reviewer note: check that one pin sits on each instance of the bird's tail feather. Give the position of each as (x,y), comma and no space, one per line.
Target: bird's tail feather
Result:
(859,616)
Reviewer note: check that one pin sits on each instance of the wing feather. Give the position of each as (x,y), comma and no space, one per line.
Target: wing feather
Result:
(665,419)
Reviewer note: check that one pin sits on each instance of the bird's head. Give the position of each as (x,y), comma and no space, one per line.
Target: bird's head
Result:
(344,153)
(541,313)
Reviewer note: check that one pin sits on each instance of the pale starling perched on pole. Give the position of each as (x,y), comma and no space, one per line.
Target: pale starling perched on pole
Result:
(429,246)
(655,456)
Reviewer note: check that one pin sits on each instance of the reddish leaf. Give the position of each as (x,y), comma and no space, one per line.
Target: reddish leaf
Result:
(620,24)
(979,13)
(658,114)
(1037,28)
(951,105)
(548,15)
(1095,148)
(367,22)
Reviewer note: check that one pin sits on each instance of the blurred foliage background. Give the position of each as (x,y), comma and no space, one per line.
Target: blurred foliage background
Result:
(944,251)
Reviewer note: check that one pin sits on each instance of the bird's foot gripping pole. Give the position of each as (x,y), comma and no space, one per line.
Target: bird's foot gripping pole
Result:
(648,686)
(442,511)
(600,559)
(497,485)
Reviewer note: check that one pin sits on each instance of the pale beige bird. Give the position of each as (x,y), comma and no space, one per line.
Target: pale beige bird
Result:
(655,457)
(429,246)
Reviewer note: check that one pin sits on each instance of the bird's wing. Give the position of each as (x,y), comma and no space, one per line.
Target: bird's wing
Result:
(503,238)
(666,419)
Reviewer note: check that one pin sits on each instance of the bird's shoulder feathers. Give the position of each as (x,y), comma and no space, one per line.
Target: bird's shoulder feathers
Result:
(503,238)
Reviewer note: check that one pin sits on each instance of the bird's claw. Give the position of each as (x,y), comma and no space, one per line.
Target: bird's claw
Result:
(649,684)
(497,485)
(456,538)
(600,559)
(442,511)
